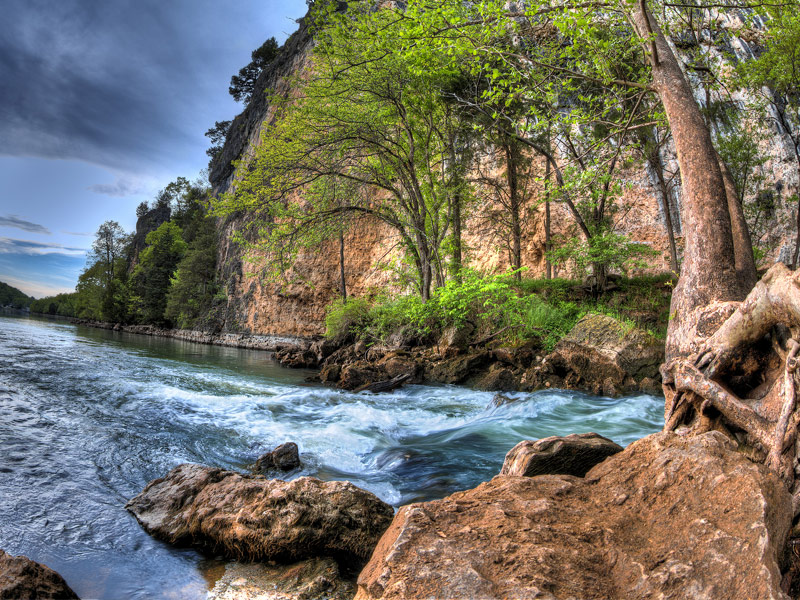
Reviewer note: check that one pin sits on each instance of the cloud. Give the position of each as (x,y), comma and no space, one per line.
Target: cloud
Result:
(13,246)
(14,221)
(120,188)
(85,234)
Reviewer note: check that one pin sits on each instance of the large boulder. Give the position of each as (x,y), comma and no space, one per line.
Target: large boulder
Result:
(21,579)
(573,454)
(670,517)
(253,518)
(458,369)
(605,356)
(312,579)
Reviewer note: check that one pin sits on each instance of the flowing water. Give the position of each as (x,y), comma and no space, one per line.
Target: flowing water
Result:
(88,417)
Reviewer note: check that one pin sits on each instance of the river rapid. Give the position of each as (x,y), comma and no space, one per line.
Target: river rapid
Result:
(88,417)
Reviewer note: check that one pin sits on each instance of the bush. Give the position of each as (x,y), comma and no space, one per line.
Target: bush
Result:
(346,318)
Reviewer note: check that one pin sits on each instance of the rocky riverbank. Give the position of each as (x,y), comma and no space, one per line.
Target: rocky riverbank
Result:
(600,355)
(271,343)
(669,517)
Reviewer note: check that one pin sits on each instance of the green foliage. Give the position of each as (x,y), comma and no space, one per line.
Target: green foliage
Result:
(217,135)
(12,297)
(537,310)
(608,250)
(153,275)
(193,289)
(243,85)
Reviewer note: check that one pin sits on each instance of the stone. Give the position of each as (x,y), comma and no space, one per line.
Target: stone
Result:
(330,373)
(458,369)
(256,519)
(394,365)
(455,339)
(498,378)
(312,579)
(22,579)
(574,455)
(358,375)
(603,355)
(669,518)
(285,457)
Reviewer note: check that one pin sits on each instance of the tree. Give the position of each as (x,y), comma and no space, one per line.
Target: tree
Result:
(217,135)
(723,371)
(151,278)
(360,118)
(192,289)
(107,267)
(243,85)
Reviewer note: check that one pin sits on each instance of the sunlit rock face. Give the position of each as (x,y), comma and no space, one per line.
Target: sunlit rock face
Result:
(670,517)
(257,306)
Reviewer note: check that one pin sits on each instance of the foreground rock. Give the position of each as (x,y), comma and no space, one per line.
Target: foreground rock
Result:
(22,579)
(570,455)
(252,518)
(669,518)
(285,457)
(313,579)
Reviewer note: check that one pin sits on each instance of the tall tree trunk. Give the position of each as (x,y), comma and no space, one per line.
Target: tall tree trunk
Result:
(547,242)
(656,164)
(708,272)
(512,176)
(457,249)
(342,280)
(742,243)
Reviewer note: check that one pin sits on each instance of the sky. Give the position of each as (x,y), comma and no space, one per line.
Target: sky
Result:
(104,102)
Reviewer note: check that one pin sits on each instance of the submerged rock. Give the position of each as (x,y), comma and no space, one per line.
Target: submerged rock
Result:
(23,579)
(283,458)
(670,517)
(252,518)
(313,579)
(574,455)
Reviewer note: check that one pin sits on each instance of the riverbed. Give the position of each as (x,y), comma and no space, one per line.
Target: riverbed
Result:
(89,416)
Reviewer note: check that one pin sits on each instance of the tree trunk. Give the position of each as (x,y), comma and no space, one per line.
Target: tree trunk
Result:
(742,243)
(342,280)
(656,164)
(547,242)
(731,361)
(512,176)
(708,273)
(457,250)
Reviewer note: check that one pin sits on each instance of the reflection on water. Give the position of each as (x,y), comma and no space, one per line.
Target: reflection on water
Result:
(88,417)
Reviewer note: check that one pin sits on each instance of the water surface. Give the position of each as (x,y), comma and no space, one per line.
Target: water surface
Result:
(88,417)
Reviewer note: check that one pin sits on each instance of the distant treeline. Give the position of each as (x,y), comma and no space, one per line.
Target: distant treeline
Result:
(163,274)
(12,297)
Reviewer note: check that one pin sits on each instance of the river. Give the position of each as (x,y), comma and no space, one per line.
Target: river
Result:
(89,416)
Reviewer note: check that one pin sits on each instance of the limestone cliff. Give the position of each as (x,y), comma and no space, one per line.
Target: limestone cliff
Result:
(255,306)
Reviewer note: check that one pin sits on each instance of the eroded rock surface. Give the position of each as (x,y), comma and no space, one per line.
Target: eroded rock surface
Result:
(285,457)
(601,355)
(253,518)
(23,579)
(313,579)
(573,454)
(670,517)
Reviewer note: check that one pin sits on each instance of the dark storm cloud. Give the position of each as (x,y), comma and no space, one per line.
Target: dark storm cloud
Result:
(117,81)
(16,222)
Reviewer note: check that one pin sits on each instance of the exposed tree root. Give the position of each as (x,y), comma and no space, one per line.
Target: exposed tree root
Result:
(742,378)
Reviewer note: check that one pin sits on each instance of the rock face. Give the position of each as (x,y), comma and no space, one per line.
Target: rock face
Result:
(22,579)
(313,579)
(602,355)
(285,457)
(570,455)
(252,518)
(669,518)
